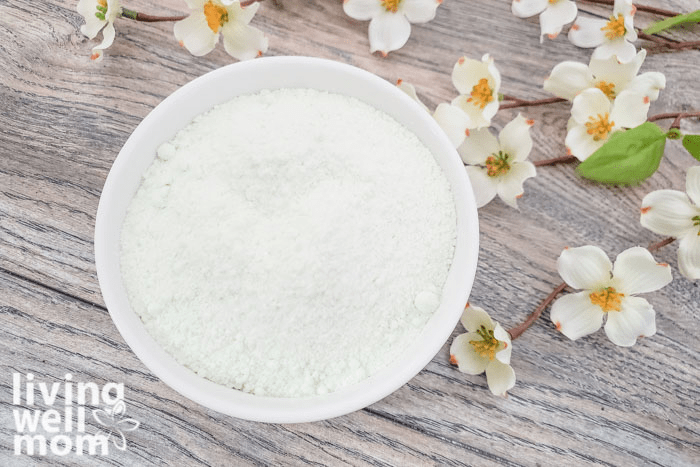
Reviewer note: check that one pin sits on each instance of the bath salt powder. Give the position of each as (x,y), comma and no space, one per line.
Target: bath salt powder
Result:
(289,243)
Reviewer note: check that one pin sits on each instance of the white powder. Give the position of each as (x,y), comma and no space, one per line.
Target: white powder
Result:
(289,243)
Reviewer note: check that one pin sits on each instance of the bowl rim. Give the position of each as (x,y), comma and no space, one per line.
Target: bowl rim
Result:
(279,409)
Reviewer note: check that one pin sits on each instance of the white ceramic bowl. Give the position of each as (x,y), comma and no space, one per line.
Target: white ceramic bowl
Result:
(218,86)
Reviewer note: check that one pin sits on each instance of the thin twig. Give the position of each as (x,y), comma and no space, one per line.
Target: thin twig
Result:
(648,9)
(515,102)
(556,160)
(136,16)
(518,330)
(661,244)
(677,116)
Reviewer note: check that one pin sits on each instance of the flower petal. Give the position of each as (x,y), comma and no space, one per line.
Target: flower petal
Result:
(467,72)
(502,335)
(478,146)
(553,19)
(692,184)
(611,70)
(589,103)
(108,34)
(580,143)
(625,51)
(629,109)
(636,271)
(587,32)
(388,31)
(242,41)
(463,353)
(419,11)
(510,185)
(575,316)
(453,121)
(195,34)
(88,8)
(474,317)
(527,8)
(500,377)
(242,14)
(649,84)
(515,138)
(568,79)
(479,118)
(668,212)
(689,256)
(362,10)
(586,267)
(411,91)
(636,318)
(485,187)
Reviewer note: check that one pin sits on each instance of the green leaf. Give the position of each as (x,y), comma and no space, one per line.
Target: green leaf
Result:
(627,157)
(692,144)
(659,26)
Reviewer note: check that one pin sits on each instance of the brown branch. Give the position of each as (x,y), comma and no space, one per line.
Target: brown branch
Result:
(648,9)
(518,330)
(514,102)
(660,244)
(556,160)
(677,116)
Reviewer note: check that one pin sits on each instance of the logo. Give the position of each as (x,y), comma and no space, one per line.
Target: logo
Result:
(61,428)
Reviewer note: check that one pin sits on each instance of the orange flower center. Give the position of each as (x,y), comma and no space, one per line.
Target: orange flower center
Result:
(391,5)
(553,1)
(607,88)
(497,164)
(599,126)
(216,15)
(615,27)
(488,345)
(481,93)
(607,299)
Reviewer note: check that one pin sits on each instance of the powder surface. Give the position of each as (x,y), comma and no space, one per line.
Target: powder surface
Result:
(289,243)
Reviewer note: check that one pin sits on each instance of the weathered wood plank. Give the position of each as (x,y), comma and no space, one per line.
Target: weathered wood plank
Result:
(64,119)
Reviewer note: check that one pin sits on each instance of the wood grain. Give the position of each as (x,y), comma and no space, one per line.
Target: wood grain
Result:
(64,119)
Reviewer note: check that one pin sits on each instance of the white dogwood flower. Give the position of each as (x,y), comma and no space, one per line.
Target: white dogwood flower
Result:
(478,83)
(453,121)
(594,118)
(99,14)
(677,214)
(554,14)
(499,166)
(611,37)
(390,20)
(200,31)
(485,347)
(608,291)
(609,75)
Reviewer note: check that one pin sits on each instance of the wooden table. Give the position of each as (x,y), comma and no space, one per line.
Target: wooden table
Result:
(64,118)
